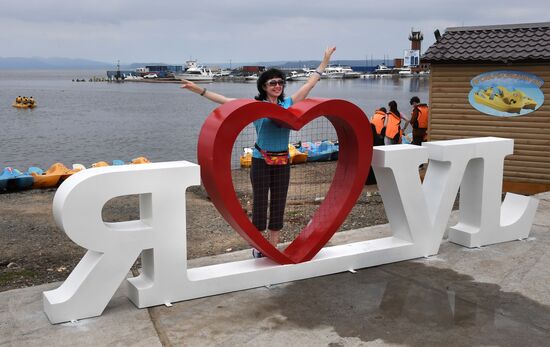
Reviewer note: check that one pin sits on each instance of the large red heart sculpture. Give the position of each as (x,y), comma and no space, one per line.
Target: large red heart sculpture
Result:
(216,139)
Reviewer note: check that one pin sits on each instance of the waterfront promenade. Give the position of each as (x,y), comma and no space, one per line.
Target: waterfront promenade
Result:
(494,295)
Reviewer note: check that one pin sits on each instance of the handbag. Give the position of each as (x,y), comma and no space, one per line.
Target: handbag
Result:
(273,158)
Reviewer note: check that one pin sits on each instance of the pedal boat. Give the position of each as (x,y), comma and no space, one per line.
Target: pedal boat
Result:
(51,178)
(140,160)
(19,105)
(501,99)
(296,156)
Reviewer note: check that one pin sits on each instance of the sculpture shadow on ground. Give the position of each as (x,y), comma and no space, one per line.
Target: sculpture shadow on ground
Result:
(417,305)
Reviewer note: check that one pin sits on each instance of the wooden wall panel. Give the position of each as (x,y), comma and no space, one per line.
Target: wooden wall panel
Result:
(452,117)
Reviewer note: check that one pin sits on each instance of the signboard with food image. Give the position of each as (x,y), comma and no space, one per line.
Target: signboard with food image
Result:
(506,93)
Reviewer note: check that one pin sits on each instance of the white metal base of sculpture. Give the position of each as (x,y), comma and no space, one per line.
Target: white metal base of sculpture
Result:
(418,214)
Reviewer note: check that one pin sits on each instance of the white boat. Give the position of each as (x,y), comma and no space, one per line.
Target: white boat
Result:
(368,75)
(334,71)
(310,71)
(222,73)
(352,74)
(298,76)
(382,69)
(132,78)
(405,72)
(195,73)
(251,78)
(341,72)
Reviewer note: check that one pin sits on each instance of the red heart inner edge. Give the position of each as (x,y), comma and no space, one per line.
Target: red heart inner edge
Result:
(220,131)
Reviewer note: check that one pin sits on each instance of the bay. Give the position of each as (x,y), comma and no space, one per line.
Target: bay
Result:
(86,122)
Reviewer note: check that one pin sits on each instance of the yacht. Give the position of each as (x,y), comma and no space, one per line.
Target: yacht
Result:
(195,73)
(349,73)
(334,72)
(132,77)
(309,71)
(298,76)
(251,78)
(341,72)
(222,73)
(405,72)
(382,69)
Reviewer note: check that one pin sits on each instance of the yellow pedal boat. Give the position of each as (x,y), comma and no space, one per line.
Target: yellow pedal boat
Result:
(16,105)
(296,157)
(140,160)
(246,160)
(501,99)
(52,177)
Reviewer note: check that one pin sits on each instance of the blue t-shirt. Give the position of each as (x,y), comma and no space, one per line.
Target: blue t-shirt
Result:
(270,136)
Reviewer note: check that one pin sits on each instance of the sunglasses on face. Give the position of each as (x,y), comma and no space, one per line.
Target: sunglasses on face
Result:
(273,83)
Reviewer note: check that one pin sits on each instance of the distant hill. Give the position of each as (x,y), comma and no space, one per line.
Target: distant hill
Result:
(297,64)
(40,63)
(315,63)
(133,66)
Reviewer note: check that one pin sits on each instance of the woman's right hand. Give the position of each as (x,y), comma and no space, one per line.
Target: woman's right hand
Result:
(212,96)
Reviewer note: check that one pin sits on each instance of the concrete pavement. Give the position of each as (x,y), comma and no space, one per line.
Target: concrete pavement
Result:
(495,295)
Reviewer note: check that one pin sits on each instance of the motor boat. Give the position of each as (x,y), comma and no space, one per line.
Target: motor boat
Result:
(251,78)
(298,76)
(334,72)
(405,72)
(132,78)
(222,73)
(341,72)
(349,73)
(382,69)
(195,73)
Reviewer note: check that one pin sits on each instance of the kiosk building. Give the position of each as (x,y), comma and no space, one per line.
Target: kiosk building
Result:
(493,81)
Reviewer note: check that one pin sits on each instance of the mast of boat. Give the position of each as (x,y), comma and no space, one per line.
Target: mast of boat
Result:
(118,76)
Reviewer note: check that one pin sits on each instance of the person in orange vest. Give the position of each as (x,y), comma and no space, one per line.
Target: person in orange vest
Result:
(378,125)
(393,125)
(419,120)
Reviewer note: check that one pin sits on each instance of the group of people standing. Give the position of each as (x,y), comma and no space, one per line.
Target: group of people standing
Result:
(386,125)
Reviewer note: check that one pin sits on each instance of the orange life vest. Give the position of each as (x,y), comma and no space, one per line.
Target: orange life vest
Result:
(393,126)
(378,120)
(423,115)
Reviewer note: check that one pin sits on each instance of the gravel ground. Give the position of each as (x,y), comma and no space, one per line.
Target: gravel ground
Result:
(34,251)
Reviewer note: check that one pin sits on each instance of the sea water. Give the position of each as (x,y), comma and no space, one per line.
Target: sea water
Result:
(87,122)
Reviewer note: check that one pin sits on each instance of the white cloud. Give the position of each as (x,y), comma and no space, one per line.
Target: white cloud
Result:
(217,31)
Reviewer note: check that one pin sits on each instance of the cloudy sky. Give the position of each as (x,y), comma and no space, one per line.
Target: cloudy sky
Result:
(173,31)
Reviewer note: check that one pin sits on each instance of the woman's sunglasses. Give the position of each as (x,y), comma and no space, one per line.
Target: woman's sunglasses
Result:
(273,83)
